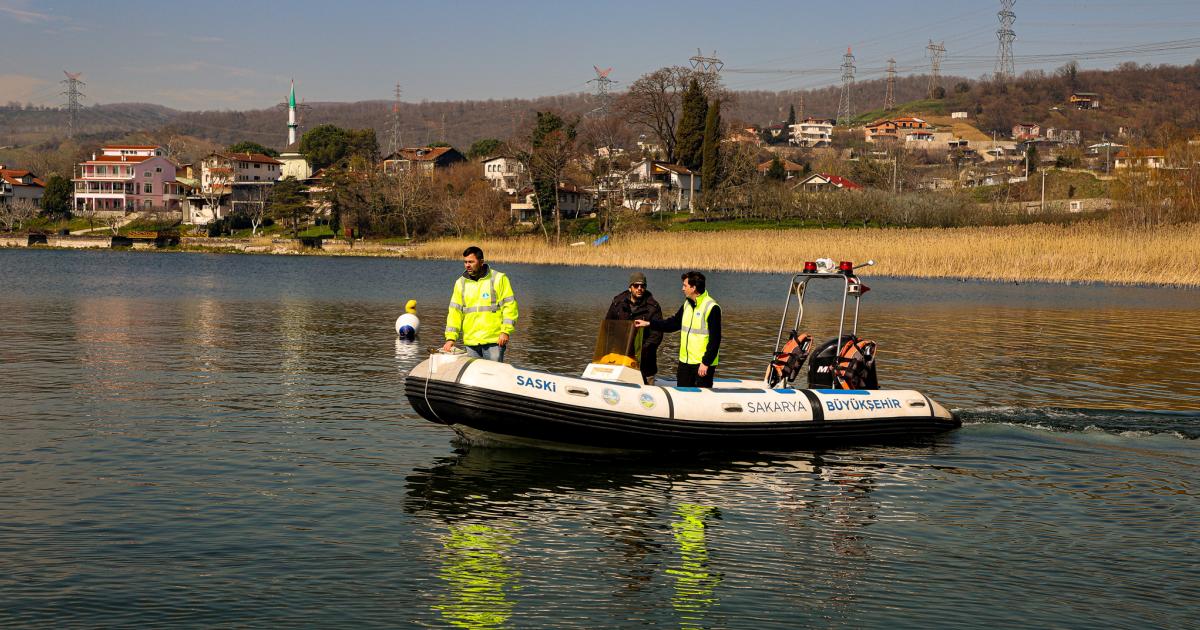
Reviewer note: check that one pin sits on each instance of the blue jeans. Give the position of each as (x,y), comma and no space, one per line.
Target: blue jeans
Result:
(489,351)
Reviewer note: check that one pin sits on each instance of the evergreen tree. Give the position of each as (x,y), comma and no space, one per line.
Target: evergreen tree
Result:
(776,171)
(689,133)
(289,204)
(710,169)
(553,146)
(56,199)
(791,116)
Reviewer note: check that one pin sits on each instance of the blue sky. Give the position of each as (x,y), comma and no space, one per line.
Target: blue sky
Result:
(219,54)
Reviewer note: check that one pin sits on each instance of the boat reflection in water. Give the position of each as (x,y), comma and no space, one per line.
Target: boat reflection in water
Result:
(652,541)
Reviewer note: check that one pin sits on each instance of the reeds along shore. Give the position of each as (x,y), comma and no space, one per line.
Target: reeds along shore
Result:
(1078,253)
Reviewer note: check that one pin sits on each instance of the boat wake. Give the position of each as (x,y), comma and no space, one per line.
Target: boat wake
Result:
(1124,422)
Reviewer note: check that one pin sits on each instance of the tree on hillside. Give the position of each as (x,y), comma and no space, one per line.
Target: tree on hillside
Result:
(791,119)
(56,199)
(776,171)
(689,135)
(1031,158)
(324,145)
(549,148)
(654,100)
(362,143)
(246,146)
(484,148)
(289,204)
(710,168)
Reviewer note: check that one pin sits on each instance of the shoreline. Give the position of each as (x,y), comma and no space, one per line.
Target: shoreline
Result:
(1085,253)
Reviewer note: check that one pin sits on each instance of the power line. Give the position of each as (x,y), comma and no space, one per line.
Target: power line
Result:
(73,95)
(603,97)
(845,112)
(889,99)
(1006,35)
(936,52)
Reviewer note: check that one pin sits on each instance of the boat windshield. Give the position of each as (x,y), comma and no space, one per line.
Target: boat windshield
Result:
(618,343)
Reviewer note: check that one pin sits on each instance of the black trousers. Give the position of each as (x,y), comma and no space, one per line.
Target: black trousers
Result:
(687,377)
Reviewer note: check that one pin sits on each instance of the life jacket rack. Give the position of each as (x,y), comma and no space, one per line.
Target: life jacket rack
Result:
(854,370)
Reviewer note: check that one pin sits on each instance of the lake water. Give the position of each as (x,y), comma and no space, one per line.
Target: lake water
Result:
(200,440)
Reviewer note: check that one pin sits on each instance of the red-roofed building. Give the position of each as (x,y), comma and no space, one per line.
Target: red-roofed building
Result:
(17,185)
(656,186)
(424,159)
(1140,158)
(824,182)
(229,180)
(127,178)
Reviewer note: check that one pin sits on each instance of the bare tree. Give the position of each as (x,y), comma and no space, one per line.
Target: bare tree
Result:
(654,100)
(216,182)
(14,215)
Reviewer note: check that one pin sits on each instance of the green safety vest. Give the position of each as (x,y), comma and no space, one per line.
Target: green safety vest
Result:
(693,336)
(481,309)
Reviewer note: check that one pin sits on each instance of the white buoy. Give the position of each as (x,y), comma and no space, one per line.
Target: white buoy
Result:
(408,323)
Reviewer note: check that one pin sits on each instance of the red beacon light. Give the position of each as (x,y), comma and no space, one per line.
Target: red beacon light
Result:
(810,267)
(846,267)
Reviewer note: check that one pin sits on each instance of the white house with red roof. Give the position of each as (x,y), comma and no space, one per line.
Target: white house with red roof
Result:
(127,178)
(822,182)
(18,185)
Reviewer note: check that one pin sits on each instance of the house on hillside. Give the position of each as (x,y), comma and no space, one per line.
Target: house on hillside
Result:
(573,202)
(1025,131)
(504,173)
(812,133)
(1085,100)
(654,186)
(880,131)
(824,182)
(126,178)
(231,182)
(20,186)
(424,159)
(1140,158)
(1065,136)
(790,168)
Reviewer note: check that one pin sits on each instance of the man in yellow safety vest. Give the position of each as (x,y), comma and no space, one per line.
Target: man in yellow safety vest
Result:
(698,321)
(483,310)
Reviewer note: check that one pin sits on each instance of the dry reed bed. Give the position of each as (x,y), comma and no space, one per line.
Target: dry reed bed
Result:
(1080,253)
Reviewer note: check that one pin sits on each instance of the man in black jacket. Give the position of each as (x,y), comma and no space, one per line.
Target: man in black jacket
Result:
(639,303)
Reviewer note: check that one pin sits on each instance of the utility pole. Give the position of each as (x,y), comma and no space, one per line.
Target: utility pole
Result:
(73,95)
(395,142)
(603,96)
(800,112)
(443,133)
(1004,53)
(845,112)
(935,52)
(1043,206)
(889,99)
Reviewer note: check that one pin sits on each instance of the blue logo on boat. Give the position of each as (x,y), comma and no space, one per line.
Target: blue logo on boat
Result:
(536,383)
(647,401)
(610,396)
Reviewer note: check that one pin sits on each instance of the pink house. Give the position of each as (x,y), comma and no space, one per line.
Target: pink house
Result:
(127,178)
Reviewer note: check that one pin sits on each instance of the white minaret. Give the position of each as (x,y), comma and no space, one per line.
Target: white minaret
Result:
(292,115)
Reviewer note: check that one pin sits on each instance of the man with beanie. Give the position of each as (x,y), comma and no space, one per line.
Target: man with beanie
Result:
(483,309)
(638,303)
(698,321)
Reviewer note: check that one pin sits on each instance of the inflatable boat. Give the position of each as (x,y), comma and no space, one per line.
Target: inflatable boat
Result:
(610,407)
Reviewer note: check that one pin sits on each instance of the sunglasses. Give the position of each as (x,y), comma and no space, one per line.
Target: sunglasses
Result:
(638,285)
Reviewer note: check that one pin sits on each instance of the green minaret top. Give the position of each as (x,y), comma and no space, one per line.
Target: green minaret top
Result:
(292,97)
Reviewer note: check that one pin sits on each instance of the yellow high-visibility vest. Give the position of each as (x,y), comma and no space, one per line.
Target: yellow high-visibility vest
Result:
(693,335)
(481,309)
